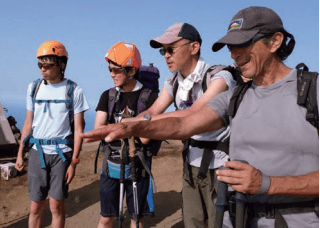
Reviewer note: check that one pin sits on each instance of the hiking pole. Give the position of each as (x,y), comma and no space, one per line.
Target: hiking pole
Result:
(222,202)
(122,167)
(132,150)
(240,199)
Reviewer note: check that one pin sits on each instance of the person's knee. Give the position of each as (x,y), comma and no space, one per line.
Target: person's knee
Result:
(106,221)
(37,207)
(56,207)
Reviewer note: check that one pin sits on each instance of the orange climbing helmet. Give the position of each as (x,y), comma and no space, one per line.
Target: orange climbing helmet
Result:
(124,54)
(52,47)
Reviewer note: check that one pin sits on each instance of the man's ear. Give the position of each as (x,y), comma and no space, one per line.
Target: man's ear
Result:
(63,66)
(276,41)
(132,71)
(195,47)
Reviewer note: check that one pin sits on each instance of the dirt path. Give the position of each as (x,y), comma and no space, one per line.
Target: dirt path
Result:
(83,206)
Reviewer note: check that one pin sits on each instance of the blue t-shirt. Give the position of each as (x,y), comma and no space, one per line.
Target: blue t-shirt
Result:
(54,122)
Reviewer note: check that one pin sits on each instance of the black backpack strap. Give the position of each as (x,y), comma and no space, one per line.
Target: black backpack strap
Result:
(207,147)
(113,96)
(205,163)
(236,73)
(307,93)
(237,97)
(175,89)
(186,167)
(143,99)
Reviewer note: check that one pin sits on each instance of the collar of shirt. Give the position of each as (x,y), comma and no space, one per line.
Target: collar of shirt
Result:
(186,84)
(136,87)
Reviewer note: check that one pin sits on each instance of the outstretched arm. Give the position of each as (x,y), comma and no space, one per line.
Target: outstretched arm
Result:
(156,110)
(169,128)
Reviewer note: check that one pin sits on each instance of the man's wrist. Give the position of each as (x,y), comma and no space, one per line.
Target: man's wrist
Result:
(75,161)
(265,184)
(146,117)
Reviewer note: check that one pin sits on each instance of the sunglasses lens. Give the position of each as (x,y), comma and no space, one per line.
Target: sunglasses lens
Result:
(46,65)
(162,51)
(170,50)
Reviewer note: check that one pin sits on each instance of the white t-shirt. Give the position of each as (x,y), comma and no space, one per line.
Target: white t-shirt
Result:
(53,123)
(196,78)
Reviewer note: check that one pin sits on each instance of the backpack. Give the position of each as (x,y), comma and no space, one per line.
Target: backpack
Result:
(307,94)
(149,78)
(211,71)
(28,141)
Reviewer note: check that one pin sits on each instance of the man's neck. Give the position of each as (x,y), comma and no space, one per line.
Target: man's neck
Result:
(188,67)
(274,72)
(129,86)
(55,81)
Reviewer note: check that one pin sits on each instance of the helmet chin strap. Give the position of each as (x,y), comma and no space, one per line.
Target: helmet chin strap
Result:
(128,78)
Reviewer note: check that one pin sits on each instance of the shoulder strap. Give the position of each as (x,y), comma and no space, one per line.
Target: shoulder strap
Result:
(71,85)
(143,99)
(35,88)
(211,71)
(237,97)
(69,97)
(175,89)
(111,102)
(307,93)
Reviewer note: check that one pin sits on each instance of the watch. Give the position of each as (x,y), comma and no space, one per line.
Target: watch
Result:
(76,160)
(147,117)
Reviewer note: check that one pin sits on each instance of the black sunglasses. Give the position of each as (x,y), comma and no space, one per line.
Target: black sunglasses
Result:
(115,70)
(249,42)
(46,65)
(170,50)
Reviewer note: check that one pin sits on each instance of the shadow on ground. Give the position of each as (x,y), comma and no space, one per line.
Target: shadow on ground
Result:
(77,201)
(166,204)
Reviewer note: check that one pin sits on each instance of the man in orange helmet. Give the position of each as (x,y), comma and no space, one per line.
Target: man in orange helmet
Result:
(54,121)
(124,61)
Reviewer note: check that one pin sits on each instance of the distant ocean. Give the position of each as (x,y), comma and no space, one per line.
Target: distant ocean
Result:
(19,113)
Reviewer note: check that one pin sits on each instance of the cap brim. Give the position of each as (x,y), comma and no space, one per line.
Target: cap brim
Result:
(165,39)
(234,37)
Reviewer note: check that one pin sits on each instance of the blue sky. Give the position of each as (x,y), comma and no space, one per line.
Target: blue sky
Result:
(89,28)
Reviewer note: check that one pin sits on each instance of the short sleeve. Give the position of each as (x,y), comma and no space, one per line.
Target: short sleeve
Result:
(80,102)
(220,105)
(29,98)
(227,77)
(103,102)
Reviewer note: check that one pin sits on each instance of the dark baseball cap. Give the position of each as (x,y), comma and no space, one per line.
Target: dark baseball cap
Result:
(176,32)
(247,23)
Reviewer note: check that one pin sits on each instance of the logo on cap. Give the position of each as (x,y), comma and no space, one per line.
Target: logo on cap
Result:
(236,24)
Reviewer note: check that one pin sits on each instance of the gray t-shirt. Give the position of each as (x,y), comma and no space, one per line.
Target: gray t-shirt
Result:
(270,132)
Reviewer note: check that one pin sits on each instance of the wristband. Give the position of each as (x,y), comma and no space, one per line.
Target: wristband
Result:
(76,160)
(265,184)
